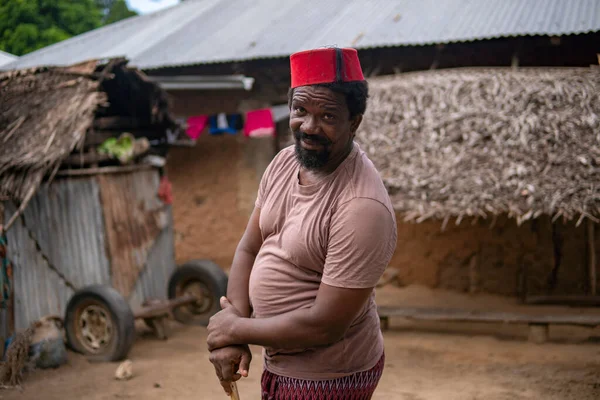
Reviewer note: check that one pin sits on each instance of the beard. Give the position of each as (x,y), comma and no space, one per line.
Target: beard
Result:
(311,159)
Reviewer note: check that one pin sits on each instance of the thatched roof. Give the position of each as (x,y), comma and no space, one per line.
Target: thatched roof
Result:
(48,112)
(481,142)
(44,114)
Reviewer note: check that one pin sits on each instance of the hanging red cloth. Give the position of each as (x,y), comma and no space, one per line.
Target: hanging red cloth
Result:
(195,126)
(259,123)
(164,191)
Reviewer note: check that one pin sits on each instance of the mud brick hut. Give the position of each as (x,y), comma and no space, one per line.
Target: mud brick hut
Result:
(494,173)
(73,215)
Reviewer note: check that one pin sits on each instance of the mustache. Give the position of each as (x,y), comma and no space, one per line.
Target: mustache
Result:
(322,140)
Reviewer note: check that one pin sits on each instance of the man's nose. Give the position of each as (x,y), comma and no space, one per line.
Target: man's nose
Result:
(310,126)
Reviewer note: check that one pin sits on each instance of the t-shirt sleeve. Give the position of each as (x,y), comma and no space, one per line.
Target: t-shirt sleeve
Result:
(362,240)
(264,184)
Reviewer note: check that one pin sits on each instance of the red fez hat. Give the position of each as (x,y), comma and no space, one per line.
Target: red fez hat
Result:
(327,65)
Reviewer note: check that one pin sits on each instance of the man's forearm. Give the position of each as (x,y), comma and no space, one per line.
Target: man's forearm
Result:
(324,322)
(239,277)
(293,330)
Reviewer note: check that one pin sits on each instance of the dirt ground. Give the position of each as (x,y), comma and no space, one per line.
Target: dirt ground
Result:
(423,362)
(419,366)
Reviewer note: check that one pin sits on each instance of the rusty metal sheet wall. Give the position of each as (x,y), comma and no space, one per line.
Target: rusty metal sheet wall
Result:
(107,229)
(160,264)
(65,219)
(38,290)
(134,217)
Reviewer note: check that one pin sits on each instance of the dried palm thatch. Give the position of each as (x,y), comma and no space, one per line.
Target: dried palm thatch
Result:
(481,142)
(17,354)
(44,114)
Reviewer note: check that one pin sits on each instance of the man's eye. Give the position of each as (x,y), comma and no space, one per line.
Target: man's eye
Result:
(299,110)
(329,117)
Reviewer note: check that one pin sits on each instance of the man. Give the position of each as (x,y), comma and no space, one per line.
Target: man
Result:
(322,232)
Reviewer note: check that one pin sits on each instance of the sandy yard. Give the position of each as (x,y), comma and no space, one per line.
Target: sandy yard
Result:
(433,362)
(419,366)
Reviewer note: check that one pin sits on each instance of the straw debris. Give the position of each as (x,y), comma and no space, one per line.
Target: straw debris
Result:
(17,354)
(483,142)
(44,114)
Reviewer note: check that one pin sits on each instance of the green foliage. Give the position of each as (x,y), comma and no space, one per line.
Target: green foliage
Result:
(28,25)
(118,11)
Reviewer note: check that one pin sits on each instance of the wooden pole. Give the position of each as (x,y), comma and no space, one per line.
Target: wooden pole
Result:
(3,313)
(21,208)
(591,256)
(474,274)
(103,170)
(8,315)
(235,395)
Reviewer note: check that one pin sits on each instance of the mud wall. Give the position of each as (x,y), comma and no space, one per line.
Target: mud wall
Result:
(215,182)
(501,258)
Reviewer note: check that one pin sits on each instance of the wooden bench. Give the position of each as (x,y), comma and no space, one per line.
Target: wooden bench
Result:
(538,324)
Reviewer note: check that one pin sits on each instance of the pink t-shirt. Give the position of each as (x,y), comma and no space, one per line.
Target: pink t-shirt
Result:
(340,231)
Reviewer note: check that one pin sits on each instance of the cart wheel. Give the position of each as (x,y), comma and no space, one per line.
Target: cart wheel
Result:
(99,324)
(203,279)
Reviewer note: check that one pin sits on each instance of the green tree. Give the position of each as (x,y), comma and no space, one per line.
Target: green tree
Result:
(118,11)
(28,25)
(114,10)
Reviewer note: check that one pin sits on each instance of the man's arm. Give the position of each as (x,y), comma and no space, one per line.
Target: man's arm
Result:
(243,260)
(233,362)
(362,241)
(324,323)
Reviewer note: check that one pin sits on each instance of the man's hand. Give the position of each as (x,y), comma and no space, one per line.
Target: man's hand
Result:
(221,329)
(231,363)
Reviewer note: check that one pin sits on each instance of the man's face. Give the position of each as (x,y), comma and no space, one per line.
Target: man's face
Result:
(321,125)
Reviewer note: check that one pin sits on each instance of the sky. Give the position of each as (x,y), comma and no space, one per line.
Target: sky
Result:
(148,6)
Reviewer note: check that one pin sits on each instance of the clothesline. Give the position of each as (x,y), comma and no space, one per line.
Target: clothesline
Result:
(255,123)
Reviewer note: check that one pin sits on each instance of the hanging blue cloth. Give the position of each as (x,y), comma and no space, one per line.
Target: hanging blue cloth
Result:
(225,123)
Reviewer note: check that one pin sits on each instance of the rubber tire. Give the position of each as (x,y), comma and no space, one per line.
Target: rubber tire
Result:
(207,272)
(122,319)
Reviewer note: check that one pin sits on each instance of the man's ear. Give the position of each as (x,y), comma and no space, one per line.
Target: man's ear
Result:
(355,123)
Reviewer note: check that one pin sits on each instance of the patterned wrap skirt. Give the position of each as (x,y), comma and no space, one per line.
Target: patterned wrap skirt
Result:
(359,386)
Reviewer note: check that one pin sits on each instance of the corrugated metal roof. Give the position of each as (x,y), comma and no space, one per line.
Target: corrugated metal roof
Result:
(6,58)
(206,31)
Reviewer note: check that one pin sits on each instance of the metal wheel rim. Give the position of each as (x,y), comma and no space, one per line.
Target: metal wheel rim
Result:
(94,328)
(202,292)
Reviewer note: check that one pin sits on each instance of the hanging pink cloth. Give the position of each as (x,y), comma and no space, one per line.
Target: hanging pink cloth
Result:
(259,123)
(195,126)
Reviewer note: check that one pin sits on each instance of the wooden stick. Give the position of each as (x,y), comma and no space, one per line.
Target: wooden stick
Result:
(13,128)
(103,170)
(235,395)
(592,257)
(21,208)
(151,311)
(50,141)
